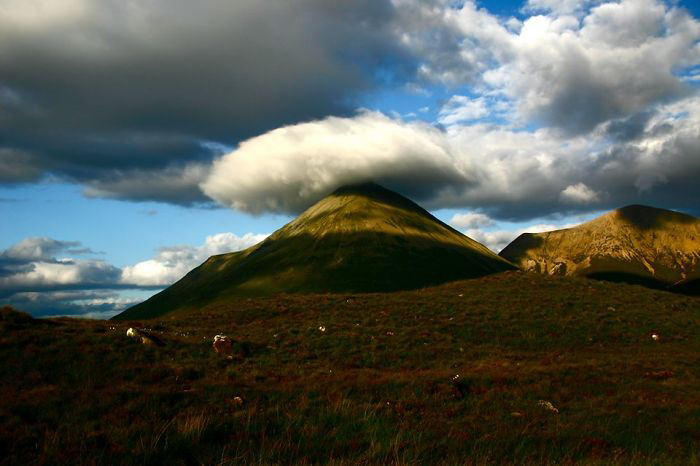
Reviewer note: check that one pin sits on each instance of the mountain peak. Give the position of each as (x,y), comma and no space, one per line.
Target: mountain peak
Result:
(647,217)
(364,188)
(373,191)
(360,238)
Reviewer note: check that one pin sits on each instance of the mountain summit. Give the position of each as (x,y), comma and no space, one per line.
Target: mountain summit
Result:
(636,243)
(360,238)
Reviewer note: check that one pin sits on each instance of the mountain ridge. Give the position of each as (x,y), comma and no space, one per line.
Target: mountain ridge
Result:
(638,243)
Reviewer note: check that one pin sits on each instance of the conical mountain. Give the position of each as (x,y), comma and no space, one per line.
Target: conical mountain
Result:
(638,244)
(361,238)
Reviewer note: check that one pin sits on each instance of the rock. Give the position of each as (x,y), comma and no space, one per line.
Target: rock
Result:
(222,344)
(145,337)
(548,406)
(559,268)
(532,266)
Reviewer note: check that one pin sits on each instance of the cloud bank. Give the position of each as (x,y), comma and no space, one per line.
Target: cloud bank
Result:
(172,263)
(101,92)
(510,173)
(41,275)
(134,100)
(615,120)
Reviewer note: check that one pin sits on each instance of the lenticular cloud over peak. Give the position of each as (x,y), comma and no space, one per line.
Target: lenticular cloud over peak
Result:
(289,168)
(510,173)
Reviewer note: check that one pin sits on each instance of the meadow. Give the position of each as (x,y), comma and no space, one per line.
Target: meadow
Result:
(511,368)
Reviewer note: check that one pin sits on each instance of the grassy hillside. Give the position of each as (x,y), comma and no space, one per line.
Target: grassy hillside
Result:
(639,244)
(377,385)
(360,239)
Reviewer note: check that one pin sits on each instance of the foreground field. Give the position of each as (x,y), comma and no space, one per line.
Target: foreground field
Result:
(509,368)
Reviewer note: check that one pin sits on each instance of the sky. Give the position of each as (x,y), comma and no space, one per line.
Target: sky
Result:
(139,137)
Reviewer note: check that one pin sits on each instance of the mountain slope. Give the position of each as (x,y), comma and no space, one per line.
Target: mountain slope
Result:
(360,238)
(636,243)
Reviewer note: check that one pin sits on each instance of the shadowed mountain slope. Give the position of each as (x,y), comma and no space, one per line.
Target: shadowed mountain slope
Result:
(639,244)
(361,238)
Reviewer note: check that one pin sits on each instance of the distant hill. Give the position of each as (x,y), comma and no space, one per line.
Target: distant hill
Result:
(638,244)
(361,238)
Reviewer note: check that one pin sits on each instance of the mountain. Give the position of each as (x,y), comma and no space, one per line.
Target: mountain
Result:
(639,244)
(361,238)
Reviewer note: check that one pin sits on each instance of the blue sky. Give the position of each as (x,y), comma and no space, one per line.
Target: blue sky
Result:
(128,158)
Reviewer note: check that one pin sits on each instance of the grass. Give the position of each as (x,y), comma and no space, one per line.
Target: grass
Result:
(377,386)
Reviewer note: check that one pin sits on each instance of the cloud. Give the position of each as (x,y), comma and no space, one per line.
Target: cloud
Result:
(101,91)
(58,274)
(459,109)
(487,231)
(93,304)
(561,71)
(579,193)
(136,100)
(176,185)
(172,263)
(471,220)
(42,248)
(35,278)
(498,239)
(452,45)
(506,173)
(619,60)
(17,166)
(286,169)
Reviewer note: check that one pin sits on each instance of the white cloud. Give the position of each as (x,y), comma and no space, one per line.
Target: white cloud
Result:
(579,193)
(562,71)
(285,169)
(471,220)
(498,239)
(32,263)
(460,109)
(62,272)
(172,263)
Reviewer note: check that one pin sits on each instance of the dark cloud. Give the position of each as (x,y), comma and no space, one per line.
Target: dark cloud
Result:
(39,248)
(17,166)
(172,184)
(97,304)
(98,91)
(629,128)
